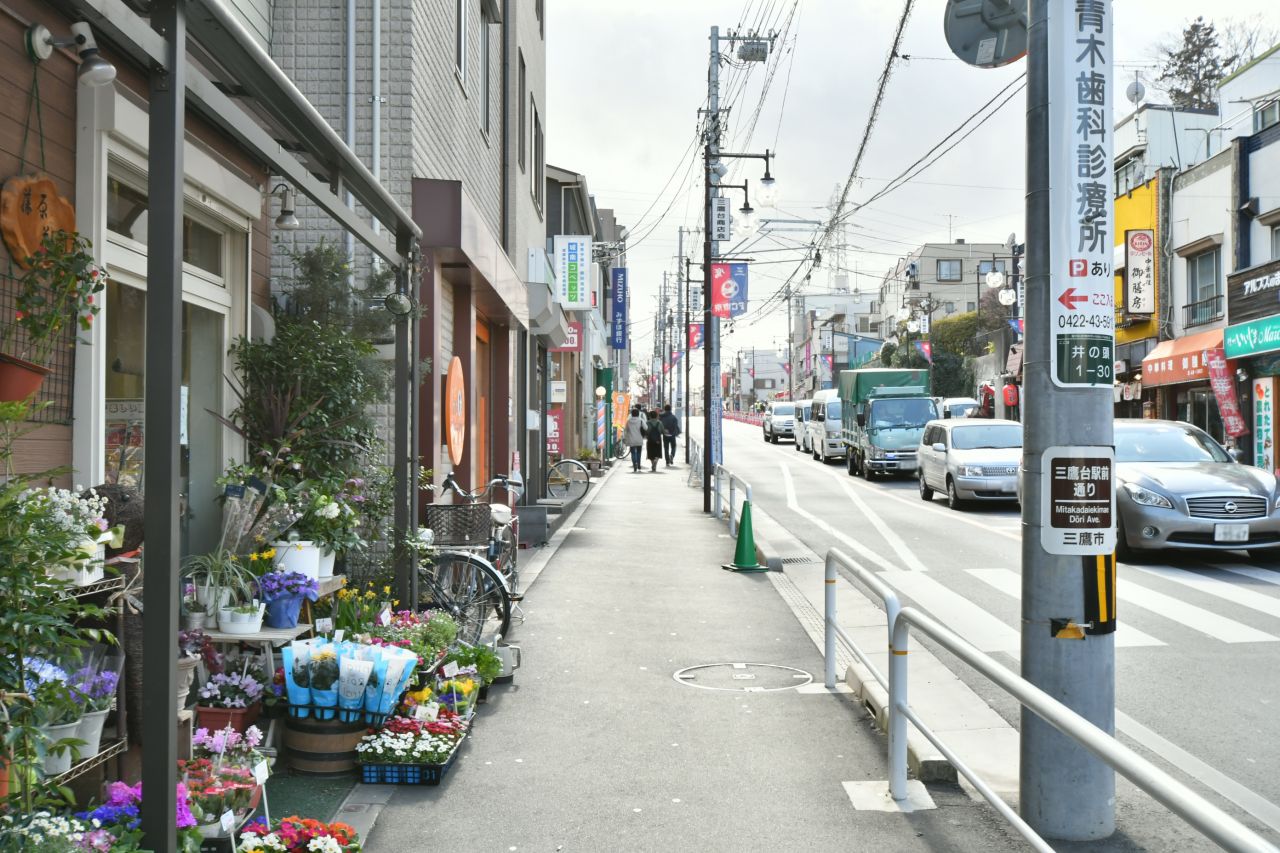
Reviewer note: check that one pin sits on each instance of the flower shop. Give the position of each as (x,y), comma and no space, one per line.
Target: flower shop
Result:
(204,560)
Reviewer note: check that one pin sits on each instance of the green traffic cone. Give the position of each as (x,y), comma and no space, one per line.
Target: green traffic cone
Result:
(745,558)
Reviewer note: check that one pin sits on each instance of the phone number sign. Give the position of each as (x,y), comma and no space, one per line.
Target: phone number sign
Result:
(1082,218)
(1078,500)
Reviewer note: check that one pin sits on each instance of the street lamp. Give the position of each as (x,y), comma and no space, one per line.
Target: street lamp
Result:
(747,222)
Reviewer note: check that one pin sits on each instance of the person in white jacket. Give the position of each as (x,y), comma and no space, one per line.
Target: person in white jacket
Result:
(633,435)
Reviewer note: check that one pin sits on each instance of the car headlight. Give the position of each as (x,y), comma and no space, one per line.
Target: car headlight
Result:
(875,452)
(971,471)
(1146,497)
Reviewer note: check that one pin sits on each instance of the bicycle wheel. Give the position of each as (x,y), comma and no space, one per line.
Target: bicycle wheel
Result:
(568,478)
(469,589)
(506,560)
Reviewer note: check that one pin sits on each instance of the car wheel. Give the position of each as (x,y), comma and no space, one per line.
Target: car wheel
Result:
(953,497)
(850,465)
(867,473)
(926,493)
(765,433)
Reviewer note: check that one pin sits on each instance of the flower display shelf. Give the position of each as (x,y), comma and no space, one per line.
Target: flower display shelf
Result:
(106,585)
(78,769)
(409,774)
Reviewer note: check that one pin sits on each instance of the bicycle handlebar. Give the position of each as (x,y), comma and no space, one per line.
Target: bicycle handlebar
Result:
(499,480)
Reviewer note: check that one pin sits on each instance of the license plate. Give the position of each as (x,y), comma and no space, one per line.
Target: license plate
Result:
(1231,533)
(891,456)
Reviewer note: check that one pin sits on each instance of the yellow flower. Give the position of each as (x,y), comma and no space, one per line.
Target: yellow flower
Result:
(395,602)
(386,590)
(370,594)
(269,554)
(255,556)
(466,685)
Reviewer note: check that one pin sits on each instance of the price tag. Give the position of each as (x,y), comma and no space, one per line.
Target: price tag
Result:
(427,712)
(338,635)
(384,617)
(261,772)
(450,669)
(228,820)
(324,625)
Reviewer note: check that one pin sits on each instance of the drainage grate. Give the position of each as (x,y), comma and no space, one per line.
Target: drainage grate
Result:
(792,561)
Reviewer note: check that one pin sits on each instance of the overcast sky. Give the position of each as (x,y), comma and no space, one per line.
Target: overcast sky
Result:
(625,82)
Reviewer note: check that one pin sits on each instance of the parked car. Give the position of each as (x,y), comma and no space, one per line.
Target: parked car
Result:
(970,459)
(802,425)
(1177,488)
(958,407)
(823,426)
(779,421)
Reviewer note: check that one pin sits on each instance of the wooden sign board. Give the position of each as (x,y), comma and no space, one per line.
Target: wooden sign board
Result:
(30,208)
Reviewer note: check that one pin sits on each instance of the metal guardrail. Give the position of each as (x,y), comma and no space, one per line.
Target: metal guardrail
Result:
(1209,820)
(734,479)
(695,465)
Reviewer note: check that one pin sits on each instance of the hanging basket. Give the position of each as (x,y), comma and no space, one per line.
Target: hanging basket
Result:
(19,379)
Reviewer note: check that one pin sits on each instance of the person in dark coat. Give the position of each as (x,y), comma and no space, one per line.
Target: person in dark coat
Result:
(653,439)
(670,429)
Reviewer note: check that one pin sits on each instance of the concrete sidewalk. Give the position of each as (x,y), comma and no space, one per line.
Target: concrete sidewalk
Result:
(598,747)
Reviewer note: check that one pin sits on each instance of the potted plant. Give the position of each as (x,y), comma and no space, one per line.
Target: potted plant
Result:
(195,613)
(299,835)
(219,578)
(283,593)
(59,711)
(192,646)
(242,618)
(96,686)
(230,699)
(57,290)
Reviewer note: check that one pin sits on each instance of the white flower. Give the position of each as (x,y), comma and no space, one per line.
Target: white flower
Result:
(324,845)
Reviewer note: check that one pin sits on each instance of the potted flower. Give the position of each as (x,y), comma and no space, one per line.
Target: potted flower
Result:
(283,593)
(299,835)
(57,290)
(214,788)
(58,709)
(324,672)
(328,525)
(96,687)
(242,618)
(78,518)
(193,645)
(219,578)
(229,699)
(113,825)
(411,751)
(195,613)
(228,746)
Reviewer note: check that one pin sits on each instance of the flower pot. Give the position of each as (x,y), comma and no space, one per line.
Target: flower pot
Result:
(239,719)
(90,731)
(302,556)
(19,379)
(326,563)
(194,621)
(205,595)
(55,764)
(186,674)
(231,622)
(283,612)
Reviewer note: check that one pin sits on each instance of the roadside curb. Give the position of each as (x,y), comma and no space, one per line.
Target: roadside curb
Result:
(923,758)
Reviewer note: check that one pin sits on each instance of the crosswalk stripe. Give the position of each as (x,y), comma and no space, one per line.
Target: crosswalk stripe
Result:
(1267,575)
(857,547)
(955,611)
(1195,618)
(1010,583)
(1218,587)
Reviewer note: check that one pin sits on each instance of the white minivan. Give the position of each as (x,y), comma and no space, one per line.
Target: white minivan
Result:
(823,426)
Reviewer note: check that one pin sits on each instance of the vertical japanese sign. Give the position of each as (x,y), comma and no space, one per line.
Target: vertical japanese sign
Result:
(573,272)
(1264,449)
(1079,502)
(721,218)
(728,290)
(555,424)
(1222,381)
(695,336)
(618,316)
(1082,291)
(1140,271)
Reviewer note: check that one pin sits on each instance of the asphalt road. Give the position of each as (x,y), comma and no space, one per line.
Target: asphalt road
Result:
(1197,650)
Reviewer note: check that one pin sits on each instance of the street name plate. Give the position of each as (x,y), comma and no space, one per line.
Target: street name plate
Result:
(1082,212)
(1078,500)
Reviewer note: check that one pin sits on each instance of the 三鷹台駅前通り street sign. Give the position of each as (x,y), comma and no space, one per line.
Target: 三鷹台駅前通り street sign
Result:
(1078,501)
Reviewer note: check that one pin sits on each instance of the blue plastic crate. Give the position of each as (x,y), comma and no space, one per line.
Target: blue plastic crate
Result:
(406,774)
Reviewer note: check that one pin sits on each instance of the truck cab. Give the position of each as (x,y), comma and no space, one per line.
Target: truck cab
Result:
(884,415)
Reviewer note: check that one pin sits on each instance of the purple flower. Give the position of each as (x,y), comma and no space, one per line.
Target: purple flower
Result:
(275,585)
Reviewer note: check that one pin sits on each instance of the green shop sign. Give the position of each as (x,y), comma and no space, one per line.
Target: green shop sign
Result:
(1252,338)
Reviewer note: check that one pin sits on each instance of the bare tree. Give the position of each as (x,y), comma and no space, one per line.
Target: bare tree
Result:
(1246,38)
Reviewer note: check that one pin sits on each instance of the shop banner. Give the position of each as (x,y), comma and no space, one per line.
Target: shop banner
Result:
(573,342)
(573,272)
(618,318)
(555,423)
(695,336)
(1140,272)
(1252,338)
(621,408)
(1223,382)
(1264,446)
(728,290)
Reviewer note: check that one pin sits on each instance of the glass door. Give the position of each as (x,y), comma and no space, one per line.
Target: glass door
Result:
(1199,407)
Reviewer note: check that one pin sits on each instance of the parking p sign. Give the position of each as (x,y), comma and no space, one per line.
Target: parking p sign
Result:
(1078,500)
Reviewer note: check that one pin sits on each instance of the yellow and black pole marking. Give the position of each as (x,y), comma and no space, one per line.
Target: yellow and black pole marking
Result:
(1100,593)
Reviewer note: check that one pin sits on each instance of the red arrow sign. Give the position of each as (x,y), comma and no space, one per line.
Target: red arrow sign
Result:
(1071,299)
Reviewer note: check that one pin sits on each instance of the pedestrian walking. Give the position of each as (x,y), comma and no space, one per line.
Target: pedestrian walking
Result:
(633,435)
(653,439)
(670,429)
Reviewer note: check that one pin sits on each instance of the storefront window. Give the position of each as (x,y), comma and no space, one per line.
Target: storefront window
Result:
(1199,407)
(202,246)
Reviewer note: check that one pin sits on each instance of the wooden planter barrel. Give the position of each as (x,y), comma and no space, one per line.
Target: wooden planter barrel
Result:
(322,747)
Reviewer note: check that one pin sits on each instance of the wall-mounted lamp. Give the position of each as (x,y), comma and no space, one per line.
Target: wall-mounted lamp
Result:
(94,70)
(286,221)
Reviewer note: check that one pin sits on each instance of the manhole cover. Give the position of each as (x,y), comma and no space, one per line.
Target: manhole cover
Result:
(743,677)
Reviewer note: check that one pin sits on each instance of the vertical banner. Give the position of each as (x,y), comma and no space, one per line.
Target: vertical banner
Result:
(1264,447)
(1222,381)
(573,271)
(621,408)
(728,290)
(1140,271)
(695,336)
(618,317)
(1081,226)
(721,219)
(925,348)
(555,424)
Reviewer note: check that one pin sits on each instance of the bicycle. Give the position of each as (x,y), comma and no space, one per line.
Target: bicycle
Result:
(502,548)
(568,479)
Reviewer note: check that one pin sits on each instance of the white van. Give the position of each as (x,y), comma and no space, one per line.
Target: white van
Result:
(801,428)
(823,426)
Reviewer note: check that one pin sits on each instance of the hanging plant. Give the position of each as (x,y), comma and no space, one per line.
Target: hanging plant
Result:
(57,289)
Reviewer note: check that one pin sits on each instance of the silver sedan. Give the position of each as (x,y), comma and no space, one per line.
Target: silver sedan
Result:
(1177,488)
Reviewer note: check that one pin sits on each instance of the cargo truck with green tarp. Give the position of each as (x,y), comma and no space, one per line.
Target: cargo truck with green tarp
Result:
(883,415)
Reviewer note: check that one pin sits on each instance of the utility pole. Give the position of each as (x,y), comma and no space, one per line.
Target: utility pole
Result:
(791,367)
(688,301)
(711,325)
(682,331)
(664,350)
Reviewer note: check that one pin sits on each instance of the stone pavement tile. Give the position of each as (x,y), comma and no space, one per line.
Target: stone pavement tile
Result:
(597,747)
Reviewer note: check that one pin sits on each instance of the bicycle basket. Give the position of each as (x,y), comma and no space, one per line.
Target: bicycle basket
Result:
(458,524)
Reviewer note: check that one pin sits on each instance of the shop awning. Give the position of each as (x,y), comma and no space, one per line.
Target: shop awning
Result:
(1180,360)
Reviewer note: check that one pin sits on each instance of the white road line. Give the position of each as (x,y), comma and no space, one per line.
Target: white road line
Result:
(866,553)
(1217,587)
(1195,618)
(1010,583)
(1255,804)
(955,611)
(1268,575)
(908,556)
